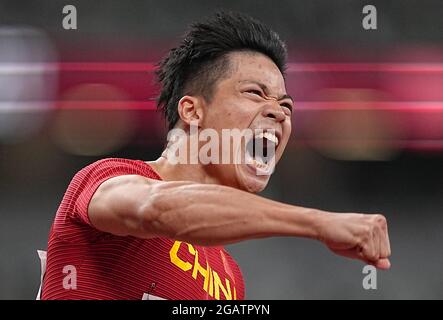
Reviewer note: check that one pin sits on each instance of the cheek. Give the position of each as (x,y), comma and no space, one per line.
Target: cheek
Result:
(243,111)
(287,125)
(214,116)
(287,128)
(233,116)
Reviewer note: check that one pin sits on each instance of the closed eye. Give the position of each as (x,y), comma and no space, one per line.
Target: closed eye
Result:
(255,91)
(287,105)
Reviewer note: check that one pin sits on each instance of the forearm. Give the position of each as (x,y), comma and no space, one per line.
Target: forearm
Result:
(218,215)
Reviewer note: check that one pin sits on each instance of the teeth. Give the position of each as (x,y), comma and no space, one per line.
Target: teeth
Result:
(259,164)
(271,136)
(268,135)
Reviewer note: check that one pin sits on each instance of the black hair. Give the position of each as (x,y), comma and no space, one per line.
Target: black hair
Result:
(200,60)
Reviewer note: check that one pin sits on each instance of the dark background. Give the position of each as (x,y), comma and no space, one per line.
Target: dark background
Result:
(367,134)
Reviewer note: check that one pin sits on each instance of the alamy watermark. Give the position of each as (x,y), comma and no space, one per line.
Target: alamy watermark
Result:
(369,21)
(254,147)
(69,21)
(70,280)
(370,280)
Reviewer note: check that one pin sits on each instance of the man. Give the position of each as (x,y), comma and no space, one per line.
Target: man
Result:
(129,229)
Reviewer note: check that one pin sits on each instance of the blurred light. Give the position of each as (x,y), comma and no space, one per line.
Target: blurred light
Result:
(359,134)
(27,84)
(93,132)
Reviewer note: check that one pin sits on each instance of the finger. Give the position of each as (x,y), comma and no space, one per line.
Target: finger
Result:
(378,242)
(369,251)
(383,264)
(349,253)
(388,242)
(383,228)
(385,250)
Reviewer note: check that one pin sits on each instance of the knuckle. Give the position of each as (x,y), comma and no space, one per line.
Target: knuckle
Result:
(371,255)
(385,254)
(372,230)
(365,236)
(380,219)
(374,254)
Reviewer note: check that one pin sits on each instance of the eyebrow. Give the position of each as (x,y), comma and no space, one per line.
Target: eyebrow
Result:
(266,89)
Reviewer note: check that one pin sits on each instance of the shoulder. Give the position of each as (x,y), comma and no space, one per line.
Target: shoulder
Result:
(117,166)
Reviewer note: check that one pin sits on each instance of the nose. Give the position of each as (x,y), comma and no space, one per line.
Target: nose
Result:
(274,111)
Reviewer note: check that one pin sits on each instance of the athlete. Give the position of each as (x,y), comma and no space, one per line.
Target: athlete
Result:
(134,229)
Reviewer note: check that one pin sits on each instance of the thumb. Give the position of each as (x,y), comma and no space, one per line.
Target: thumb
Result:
(383,264)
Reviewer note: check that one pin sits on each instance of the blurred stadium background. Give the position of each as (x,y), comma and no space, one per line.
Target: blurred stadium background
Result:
(368,129)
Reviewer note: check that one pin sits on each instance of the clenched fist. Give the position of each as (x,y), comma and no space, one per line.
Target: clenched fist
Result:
(358,236)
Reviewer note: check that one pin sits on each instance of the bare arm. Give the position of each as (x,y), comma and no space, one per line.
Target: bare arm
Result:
(217,215)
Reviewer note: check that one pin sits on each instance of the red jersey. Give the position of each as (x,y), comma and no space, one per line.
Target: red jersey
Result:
(85,263)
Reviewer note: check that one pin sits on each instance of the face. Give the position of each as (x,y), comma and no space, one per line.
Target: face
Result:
(251,95)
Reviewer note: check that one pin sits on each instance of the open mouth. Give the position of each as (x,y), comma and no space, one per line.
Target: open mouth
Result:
(260,150)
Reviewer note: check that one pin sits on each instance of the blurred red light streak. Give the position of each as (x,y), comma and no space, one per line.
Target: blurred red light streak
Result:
(292,67)
(408,106)
(150,67)
(401,106)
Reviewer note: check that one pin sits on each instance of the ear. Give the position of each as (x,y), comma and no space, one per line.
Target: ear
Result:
(190,108)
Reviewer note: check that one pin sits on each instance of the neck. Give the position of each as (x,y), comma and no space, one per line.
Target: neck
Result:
(169,171)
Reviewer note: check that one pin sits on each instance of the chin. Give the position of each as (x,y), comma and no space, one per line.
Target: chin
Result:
(249,179)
